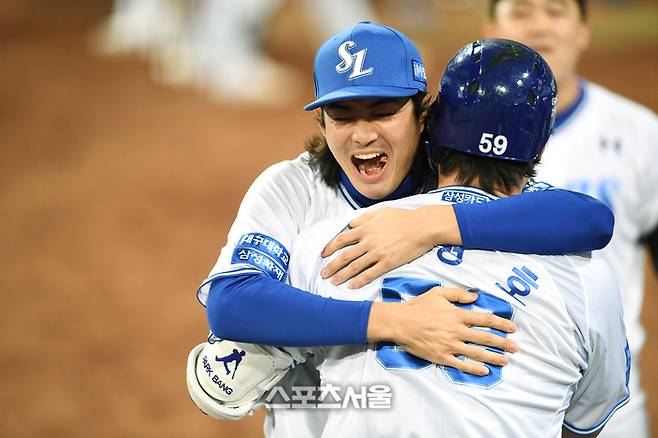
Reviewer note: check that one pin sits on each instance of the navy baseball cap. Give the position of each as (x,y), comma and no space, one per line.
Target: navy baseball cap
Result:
(365,61)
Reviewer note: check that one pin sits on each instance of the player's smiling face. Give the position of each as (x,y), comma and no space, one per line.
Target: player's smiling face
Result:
(554,28)
(374,141)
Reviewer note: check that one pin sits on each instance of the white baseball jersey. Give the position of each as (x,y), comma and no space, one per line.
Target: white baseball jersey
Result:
(286,198)
(607,147)
(571,369)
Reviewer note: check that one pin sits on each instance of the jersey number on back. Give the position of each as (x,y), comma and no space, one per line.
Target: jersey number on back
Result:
(391,356)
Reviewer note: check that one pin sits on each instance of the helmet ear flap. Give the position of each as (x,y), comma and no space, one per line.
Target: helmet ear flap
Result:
(429,153)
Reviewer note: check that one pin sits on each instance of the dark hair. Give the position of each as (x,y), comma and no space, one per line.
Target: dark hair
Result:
(323,161)
(581,7)
(490,174)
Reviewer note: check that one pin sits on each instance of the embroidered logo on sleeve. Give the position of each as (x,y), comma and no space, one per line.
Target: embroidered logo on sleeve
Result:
(263,253)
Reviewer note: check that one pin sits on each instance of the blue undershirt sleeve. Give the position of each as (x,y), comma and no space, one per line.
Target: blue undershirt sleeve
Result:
(257,309)
(546,222)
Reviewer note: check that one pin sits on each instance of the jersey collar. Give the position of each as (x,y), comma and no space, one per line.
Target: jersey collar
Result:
(562,117)
(408,187)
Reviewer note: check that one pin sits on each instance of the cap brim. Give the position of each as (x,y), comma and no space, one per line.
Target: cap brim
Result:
(361,92)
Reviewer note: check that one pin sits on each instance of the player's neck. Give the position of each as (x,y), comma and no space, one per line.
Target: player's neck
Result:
(446,180)
(568,92)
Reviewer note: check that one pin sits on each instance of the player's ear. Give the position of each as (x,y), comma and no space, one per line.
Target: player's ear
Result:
(426,106)
(584,35)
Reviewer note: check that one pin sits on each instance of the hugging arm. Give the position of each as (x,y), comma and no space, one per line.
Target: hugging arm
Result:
(260,310)
(546,222)
(551,221)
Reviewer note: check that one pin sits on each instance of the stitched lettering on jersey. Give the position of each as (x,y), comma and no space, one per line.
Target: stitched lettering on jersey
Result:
(263,253)
(450,255)
(453,255)
(521,282)
(459,196)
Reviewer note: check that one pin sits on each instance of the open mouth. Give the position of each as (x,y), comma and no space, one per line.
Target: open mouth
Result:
(370,164)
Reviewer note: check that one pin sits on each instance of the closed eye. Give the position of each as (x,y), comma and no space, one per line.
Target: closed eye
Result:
(342,119)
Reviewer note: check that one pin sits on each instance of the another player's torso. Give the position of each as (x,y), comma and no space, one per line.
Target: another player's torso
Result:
(595,152)
(530,394)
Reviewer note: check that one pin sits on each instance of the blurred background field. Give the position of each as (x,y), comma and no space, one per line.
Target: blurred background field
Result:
(117,191)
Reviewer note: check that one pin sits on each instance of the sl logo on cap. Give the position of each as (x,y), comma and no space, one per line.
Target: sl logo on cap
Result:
(350,60)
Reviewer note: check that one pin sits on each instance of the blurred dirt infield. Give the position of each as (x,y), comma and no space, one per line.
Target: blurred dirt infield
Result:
(116,194)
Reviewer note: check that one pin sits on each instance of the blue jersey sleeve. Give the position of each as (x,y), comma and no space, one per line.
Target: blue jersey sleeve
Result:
(257,309)
(542,222)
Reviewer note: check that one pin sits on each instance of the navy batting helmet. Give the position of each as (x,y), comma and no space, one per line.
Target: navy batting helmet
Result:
(497,99)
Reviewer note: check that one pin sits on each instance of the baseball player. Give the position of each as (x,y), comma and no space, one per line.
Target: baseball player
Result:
(359,162)
(495,112)
(604,145)
(189,42)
